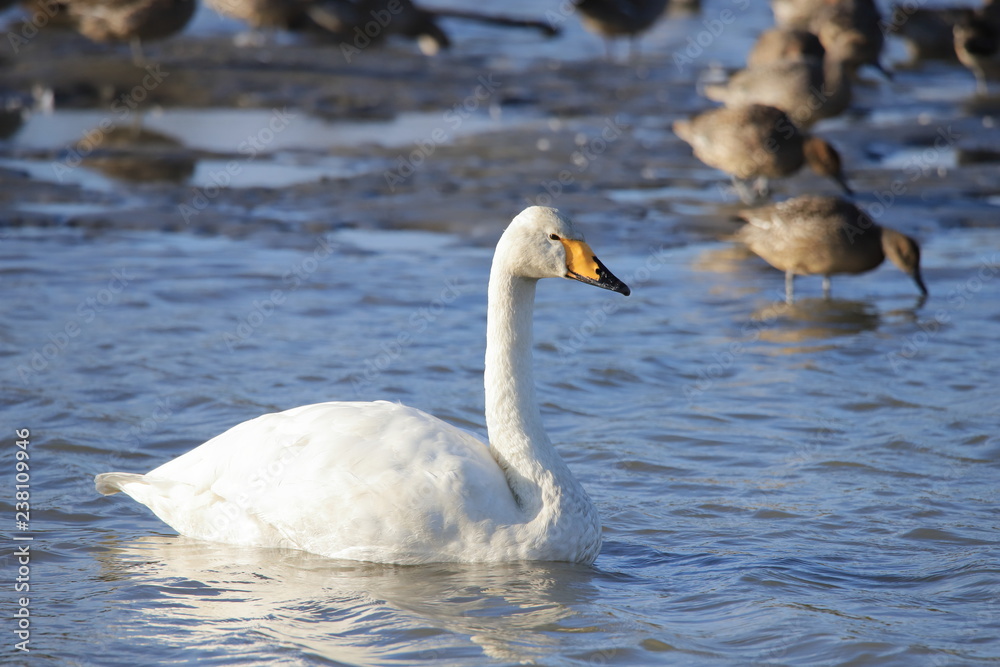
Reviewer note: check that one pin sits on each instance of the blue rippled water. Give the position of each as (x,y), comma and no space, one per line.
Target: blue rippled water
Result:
(800,502)
(807,484)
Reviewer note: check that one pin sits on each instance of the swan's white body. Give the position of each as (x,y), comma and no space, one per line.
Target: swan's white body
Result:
(364,481)
(387,483)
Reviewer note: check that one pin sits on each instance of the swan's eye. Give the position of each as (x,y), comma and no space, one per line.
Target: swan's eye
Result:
(554,237)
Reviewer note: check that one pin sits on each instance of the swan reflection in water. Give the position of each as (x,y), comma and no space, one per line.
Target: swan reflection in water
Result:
(349,611)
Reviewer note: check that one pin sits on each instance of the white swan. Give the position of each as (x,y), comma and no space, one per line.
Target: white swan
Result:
(387,483)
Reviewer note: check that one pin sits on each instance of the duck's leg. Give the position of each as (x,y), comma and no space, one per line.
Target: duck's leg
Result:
(761,189)
(981,86)
(746,193)
(826,287)
(886,73)
(138,57)
(634,52)
(789,287)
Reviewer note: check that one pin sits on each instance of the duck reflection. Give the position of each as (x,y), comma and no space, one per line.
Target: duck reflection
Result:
(805,319)
(356,612)
(814,319)
(135,154)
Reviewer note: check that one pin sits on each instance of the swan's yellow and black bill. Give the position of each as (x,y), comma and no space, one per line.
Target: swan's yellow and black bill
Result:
(584,266)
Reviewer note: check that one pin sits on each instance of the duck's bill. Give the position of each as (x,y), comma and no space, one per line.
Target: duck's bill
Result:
(583,265)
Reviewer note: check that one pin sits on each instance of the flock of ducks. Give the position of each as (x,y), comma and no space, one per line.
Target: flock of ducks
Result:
(383,482)
(852,32)
(135,21)
(114,21)
(970,34)
(797,74)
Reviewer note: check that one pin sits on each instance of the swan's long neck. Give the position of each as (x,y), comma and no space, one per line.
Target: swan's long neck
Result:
(534,469)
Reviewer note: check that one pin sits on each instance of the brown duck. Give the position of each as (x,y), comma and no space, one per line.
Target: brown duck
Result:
(755,143)
(132,21)
(812,235)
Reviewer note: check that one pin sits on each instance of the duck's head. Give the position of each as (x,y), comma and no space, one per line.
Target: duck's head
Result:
(904,252)
(542,243)
(825,161)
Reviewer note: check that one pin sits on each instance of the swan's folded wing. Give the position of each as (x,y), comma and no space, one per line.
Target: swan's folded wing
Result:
(339,479)
(390,479)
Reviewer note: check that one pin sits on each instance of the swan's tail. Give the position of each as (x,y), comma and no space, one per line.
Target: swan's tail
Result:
(196,512)
(111,482)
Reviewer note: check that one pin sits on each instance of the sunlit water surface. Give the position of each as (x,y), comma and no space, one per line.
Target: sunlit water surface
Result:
(812,484)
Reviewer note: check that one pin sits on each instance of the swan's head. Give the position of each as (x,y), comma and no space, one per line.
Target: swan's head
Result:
(542,243)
